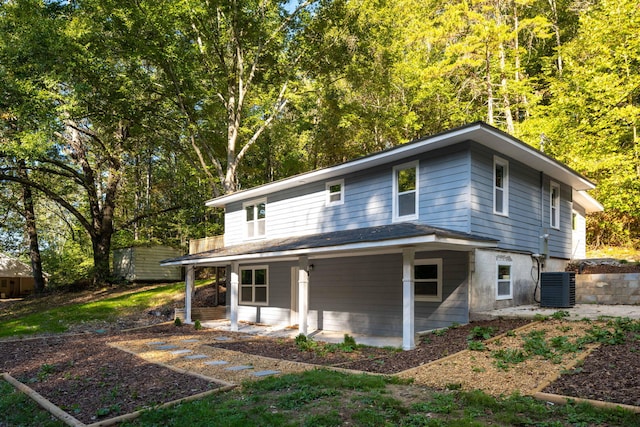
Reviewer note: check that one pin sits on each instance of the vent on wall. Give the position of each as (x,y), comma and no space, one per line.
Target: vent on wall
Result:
(558,289)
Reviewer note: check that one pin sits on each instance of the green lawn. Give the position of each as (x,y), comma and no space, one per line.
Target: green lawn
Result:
(58,319)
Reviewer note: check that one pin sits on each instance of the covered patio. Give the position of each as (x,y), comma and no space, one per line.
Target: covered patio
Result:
(402,240)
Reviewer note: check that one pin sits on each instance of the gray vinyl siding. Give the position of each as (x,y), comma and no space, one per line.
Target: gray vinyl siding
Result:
(560,240)
(454,307)
(443,200)
(364,295)
(279,309)
(520,230)
(357,294)
(444,189)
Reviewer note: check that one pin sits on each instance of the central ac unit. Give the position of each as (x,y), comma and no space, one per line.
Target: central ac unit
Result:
(558,289)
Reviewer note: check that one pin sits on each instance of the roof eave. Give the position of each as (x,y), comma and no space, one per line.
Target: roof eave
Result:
(353,249)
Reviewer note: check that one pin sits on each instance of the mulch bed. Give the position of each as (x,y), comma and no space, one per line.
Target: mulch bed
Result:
(93,381)
(376,360)
(611,373)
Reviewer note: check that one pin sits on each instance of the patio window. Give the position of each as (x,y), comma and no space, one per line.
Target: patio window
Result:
(500,186)
(428,279)
(335,192)
(405,192)
(554,204)
(254,285)
(504,289)
(256,213)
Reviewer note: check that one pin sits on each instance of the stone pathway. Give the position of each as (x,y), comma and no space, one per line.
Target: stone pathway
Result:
(196,356)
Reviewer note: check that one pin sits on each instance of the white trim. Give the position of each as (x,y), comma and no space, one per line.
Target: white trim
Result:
(554,215)
(408,299)
(510,279)
(328,185)
(438,296)
(233,295)
(255,222)
(253,269)
(396,194)
(504,190)
(481,133)
(303,295)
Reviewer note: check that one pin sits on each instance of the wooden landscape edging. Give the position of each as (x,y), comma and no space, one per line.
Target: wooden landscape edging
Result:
(563,400)
(40,400)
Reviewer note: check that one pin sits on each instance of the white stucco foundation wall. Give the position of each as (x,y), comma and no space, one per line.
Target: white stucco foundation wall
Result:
(484,280)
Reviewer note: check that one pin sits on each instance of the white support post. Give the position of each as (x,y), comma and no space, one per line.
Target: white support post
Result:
(233,294)
(188,292)
(408,299)
(303,294)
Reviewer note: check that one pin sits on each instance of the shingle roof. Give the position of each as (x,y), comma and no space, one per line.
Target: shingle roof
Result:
(332,239)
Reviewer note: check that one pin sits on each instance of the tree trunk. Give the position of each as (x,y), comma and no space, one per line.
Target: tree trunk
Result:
(32,231)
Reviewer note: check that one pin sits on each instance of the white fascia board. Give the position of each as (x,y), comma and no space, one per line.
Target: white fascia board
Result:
(385,246)
(490,137)
(585,200)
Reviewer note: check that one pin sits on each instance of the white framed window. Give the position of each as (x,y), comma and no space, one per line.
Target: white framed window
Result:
(255,216)
(500,186)
(335,192)
(405,192)
(554,205)
(504,288)
(428,279)
(254,285)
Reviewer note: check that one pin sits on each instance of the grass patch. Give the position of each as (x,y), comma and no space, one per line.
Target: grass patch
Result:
(58,319)
(16,409)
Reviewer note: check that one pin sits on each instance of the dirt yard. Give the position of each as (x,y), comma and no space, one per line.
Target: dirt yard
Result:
(91,379)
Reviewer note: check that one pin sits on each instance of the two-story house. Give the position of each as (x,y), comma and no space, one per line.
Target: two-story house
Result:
(409,239)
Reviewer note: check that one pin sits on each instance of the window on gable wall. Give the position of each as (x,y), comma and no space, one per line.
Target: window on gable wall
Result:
(256,214)
(405,191)
(504,290)
(554,204)
(500,186)
(254,285)
(428,279)
(335,192)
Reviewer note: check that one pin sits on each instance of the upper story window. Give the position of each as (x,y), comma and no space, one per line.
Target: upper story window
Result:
(428,279)
(504,288)
(500,186)
(335,192)
(254,285)
(405,191)
(554,204)
(256,213)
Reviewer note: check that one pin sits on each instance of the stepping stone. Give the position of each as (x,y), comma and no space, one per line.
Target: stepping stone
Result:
(222,338)
(181,351)
(156,342)
(191,340)
(265,373)
(196,356)
(239,368)
(216,362)
(167,347)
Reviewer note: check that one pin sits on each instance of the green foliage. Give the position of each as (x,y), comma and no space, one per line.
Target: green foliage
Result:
(481,332)
(177,322)
(197,325)
(476,345)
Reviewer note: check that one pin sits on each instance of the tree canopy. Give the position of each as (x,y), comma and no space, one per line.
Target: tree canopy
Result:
(119,118)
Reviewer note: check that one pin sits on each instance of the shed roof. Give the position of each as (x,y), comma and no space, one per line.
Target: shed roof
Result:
(12,267)
(387,238)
